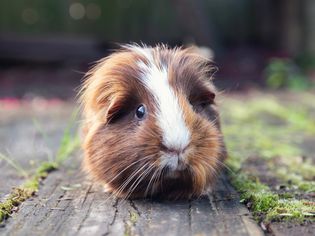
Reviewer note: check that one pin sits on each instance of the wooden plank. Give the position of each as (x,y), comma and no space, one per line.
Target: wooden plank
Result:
(203,217)
(21,140)
(84,209)
(163,217)
(101,214)
(69,204)
(222,214)
(87,210)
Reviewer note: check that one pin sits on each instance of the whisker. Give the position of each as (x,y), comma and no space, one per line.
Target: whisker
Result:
(132,164)
(119,190)
(148,186)
(226,166)
(139,179)
(152,179)
(158,178)
(125,183)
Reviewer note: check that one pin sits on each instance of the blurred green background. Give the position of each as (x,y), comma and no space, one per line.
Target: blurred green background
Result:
(255,43)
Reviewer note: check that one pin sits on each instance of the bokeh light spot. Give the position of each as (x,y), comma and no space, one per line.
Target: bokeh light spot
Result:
(77,11)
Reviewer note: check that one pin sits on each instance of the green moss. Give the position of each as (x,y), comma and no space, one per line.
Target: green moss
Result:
(258,194)
(68,144)
(17,196)
(31,185)
(262,127)
(295,170)
(46,167)
(286,195)
(26,190)
(133,217)
(308,187)
(291,210)
(40,173)
(296,180)
(264,201)
(272,206)
(243,183)
(306,168)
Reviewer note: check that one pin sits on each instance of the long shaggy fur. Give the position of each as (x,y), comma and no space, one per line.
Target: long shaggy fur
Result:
(128,155)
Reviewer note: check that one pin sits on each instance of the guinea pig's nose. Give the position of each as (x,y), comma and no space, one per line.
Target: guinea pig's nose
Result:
(172,150)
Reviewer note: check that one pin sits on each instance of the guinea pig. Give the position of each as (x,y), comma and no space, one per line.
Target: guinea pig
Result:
(150,123)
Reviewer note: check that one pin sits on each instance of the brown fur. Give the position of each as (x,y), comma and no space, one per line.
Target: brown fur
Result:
(123,152)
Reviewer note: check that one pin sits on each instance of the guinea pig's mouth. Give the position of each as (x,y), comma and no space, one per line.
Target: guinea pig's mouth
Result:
(173,162)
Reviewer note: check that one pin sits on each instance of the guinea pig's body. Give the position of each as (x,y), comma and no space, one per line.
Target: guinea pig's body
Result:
(151,127)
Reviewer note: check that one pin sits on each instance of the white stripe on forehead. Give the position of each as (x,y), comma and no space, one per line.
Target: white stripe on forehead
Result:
(170,117)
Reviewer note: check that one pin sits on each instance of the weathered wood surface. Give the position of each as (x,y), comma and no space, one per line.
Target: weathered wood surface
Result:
(86,210)
(23,142)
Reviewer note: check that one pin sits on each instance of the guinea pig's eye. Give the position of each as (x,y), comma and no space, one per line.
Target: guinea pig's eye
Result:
(140,112)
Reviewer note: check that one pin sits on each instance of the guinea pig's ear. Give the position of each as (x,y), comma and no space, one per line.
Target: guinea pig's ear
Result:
(204,57)
(202,96)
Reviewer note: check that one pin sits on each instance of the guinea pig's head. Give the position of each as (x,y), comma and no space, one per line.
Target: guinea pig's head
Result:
(151,126)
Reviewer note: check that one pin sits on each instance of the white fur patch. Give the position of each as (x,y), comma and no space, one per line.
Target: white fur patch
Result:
(169,116)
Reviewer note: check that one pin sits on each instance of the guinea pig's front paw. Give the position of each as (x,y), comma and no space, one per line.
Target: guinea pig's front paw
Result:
(107,188)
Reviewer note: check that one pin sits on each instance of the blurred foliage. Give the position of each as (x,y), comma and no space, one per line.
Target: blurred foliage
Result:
(306,61)
(122,20)
(110,20)
(285,73)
